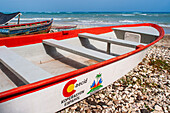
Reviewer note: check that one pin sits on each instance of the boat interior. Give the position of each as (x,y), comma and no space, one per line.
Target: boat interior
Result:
(31,63)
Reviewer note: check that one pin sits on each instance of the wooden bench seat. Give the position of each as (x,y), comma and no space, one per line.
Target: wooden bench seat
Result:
(22,68)
(82,51)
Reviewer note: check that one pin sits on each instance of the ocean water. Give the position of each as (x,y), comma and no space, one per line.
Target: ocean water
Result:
(99,18)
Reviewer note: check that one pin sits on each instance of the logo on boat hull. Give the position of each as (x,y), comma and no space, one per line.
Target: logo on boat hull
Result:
(94,87)
(71,92)
(68,89)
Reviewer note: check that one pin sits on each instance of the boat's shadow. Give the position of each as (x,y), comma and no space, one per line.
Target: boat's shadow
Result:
(86,43)
(51,51)
(18,82)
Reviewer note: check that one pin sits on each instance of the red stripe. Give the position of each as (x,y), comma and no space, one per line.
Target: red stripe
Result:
(27,89)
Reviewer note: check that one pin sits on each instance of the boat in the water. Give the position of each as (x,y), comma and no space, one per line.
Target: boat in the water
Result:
(8,30)
(45,73)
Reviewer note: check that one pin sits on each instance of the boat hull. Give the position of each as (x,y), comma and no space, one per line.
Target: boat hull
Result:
(52,99)
(25,29)
(58,92)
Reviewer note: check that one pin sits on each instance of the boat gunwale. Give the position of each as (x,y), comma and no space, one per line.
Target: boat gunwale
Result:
(33,87)
(8,26)
(30,27)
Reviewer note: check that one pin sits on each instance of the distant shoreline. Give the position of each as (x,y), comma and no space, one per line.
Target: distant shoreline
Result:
(79,26)
(167,30)
(97,19)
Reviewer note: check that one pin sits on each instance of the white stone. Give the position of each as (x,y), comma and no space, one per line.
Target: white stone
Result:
(131,100)
(101,95)
(124,109)
(74,107)
(158,108)
(165,110)
(98,106)
(135,86)
(127,92)
(113,108)
(97,96)
(117,84)
(124,96)
(110,103)
(134,79)
(92,106)
(104,106)
(120,88)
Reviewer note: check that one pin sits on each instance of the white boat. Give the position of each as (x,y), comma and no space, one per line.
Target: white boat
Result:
(45,73)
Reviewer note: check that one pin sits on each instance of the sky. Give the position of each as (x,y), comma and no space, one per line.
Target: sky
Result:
(84,5)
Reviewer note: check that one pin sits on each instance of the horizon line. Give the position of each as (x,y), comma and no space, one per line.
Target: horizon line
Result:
(90,11)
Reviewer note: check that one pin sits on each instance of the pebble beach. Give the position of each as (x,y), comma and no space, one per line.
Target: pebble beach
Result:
(145,89)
